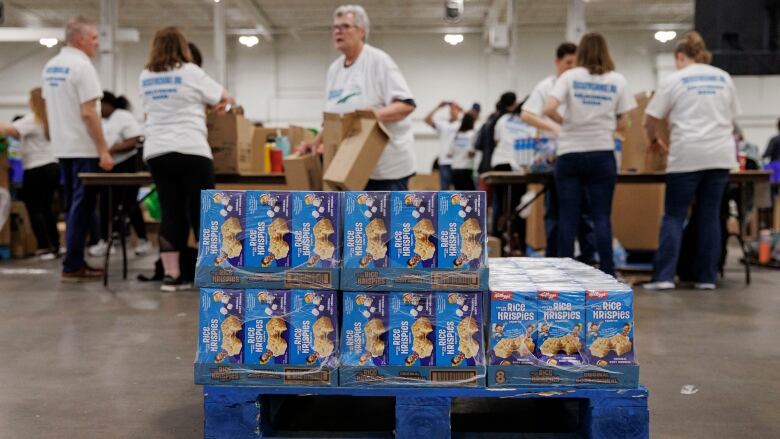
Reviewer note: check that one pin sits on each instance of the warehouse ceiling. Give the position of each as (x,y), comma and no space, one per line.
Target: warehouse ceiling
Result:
(298,16)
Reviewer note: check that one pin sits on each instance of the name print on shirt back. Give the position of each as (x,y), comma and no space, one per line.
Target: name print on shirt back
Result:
(593,93)
(704,84)
(161,87)
(55,75)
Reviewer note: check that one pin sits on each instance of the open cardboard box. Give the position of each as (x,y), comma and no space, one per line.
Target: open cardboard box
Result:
(303,172)
(231,139)
(362,143)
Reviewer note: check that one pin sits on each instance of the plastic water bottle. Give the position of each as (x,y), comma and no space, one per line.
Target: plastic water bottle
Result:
(283,143)
(764,247)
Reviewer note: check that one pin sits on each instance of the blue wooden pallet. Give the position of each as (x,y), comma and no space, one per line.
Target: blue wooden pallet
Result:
(237,412)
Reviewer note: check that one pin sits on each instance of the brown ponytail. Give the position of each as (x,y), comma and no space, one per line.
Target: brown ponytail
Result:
(38,107)
(692,45)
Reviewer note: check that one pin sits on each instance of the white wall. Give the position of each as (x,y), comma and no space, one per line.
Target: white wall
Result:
(283,82)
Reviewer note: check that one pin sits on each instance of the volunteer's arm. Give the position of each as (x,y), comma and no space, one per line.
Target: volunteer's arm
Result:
(91,119)
(396,111)
(224,101)
(539,122)
(651,129)
(308,146)
(551,109)
(127,145)
(8,130)
(429,118)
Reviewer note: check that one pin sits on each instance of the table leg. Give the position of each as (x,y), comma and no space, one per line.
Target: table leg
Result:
(509,216)
(122,239)
(110,237)
(742,227)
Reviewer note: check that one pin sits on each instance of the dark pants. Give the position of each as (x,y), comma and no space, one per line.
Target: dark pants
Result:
(463,180)
(707,188)
(585,234)
(401,184)
(516,225)
(445,177)
(81,201)
(592,175)
(127,197)
(179,179)
(38,188)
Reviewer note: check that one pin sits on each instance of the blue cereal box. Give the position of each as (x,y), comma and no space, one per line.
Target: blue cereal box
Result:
(222,228)
(462,229)
(459,330)
(221,326)
(364,338)
(513,321)
(610,327)
(316,229)
(413,229)
(266,327)
(314,321)
(412,323)
(267,238)
(366,229)
(561,331)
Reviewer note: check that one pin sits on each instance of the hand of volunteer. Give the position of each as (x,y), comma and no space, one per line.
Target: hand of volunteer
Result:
(449,155)
(106,162)
(472,153)
(658,145)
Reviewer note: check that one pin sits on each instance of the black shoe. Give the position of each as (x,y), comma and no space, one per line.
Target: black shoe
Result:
(172,285)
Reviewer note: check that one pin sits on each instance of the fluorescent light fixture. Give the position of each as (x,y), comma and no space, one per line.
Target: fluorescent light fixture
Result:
(665,35)
(248,40)
(453,39)
(48,42)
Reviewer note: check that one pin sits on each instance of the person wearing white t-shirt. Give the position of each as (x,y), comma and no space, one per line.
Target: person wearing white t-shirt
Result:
(365,77)
(175,93)
(72,90)
(461,154)
(596,98)
(41,177)
(446,126)
(701,103)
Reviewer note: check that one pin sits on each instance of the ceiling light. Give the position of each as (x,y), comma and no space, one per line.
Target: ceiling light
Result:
(48,42)
(248,40)
(665,35)
(453,39)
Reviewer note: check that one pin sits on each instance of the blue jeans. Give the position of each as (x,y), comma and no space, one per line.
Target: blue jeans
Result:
(81,201)
(592,175)
(708,188)
(401,184)
(445,177)
(584,228)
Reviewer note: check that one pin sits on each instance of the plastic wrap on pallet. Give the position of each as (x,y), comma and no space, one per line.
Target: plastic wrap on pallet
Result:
(259,337)
(414,241)
(269,239)
(412,339)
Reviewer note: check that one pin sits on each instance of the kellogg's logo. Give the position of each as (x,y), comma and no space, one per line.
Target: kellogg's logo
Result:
(547,295)
(502,295)
(598,294)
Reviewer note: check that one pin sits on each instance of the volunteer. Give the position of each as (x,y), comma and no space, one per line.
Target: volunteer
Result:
(485,142)
(446,127)
(461,153)
(41,178)
(365,77)
(175,92)
(72,90)
(701,103)
(596,98)
(123,135)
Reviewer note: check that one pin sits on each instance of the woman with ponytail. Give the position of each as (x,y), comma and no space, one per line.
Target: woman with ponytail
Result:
(701,103)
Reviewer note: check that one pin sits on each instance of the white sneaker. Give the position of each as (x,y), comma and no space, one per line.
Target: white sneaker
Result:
(659,286)
(704,286)
(143,247)
(99,249)
(48,256)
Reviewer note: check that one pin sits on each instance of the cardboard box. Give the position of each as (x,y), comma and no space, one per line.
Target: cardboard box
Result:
(425,182)
(334,129)
(413,220)
(364,333)
(637,211)
(610,327)
(459,334)
(316,229)
(535,233)
(366,229)
(462,226)
(221,326)
(635,156)
(23,242)
(303,172)
(561,327)
(412,324)
(493,247)
(513,320)
(314,323)
(266,327)
(268,222)
(228,129)
(358,152)
(233,145)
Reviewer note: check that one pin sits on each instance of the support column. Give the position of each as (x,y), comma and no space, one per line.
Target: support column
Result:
(575,21)
(109,16)
(220,51)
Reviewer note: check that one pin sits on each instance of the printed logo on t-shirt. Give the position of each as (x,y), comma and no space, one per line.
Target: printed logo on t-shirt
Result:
(55,75)
(161,87)
(593,93)
(704,84)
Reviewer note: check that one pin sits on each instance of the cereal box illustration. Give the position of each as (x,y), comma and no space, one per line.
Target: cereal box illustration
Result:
(268,225)
(266,328)
(364,338)
(222,228)
(513,322)
(316,229)
(459,329)
(412,323)
(221,326)
(462,229)
(561,330)
(366,229)
(314,322)
(609,320)
(413,228)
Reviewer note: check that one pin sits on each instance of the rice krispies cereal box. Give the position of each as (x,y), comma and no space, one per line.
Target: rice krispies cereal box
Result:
(459,330)
(222,228)
(268,225)
(316,220)
(609,319)
(462,229)
(561,326)
(366,229)
(413,229)
(513,320)
(314,321)
(412,324)
(364,332)
(221,326)
(266,327)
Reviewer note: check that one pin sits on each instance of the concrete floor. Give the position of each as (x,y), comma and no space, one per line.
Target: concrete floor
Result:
(81,361)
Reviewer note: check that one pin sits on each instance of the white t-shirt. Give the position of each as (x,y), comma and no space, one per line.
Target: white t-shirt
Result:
(175,115)
(592,105)
(374,80)
(118,127)
(446,131)
(461,146)
(701,103)
(69,80)
(36,150)
(513,137)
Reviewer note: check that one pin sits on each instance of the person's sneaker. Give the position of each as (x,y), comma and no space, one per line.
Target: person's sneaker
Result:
(84,274)
(704,286)
(659,286)
(48,256)
(99,249)
(143,247)
(171,285)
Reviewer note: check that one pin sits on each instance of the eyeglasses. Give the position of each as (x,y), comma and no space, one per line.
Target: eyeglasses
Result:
(342,27)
